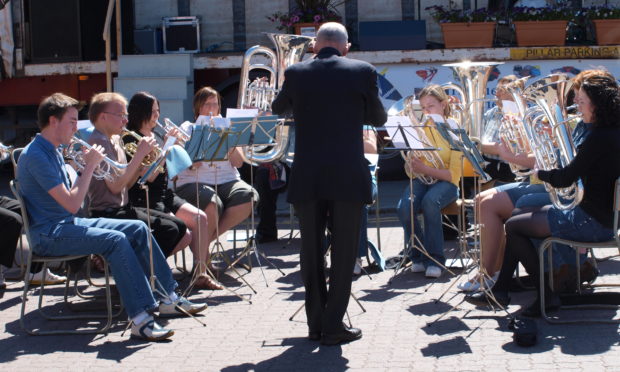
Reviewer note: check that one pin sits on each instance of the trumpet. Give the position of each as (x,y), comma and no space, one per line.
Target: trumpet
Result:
(431,157)
(5,151)
(107,169)
(132,147)
(168,125)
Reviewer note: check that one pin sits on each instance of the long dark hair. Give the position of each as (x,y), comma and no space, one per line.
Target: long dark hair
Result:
(140,110)
(605,97)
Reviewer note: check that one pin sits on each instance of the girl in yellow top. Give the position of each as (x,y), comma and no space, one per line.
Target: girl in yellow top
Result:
(429,200)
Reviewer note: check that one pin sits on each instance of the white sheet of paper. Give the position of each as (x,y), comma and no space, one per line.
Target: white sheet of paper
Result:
(241,113)
(509,107)
(218,121)
(373,159)
(392,126)
(83,124)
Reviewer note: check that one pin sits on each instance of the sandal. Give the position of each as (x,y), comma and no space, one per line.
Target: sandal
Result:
(206,282)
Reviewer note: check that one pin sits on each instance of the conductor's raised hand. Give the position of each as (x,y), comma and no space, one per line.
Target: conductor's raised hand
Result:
(94,156)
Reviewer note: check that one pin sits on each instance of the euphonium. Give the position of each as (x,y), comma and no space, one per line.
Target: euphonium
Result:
(550,139)
(168,125)
(431,156)
(131,148)
(5,151)
(259,93)
(107,169)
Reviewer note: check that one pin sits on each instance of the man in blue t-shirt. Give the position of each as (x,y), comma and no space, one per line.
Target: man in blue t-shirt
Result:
(52,202)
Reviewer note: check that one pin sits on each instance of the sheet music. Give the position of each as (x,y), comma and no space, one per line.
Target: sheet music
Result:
(217,121)
(403,135)
(241,113)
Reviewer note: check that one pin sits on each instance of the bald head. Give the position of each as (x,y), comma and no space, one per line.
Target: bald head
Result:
(332,34)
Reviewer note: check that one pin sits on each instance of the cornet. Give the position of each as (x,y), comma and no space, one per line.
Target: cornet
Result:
(168,125)
(131,148)
(5,151)
(107,169)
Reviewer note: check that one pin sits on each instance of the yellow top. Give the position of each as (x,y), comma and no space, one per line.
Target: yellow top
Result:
(451,158)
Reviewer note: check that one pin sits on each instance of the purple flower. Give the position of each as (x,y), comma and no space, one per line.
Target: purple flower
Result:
(295,19)
(317,18)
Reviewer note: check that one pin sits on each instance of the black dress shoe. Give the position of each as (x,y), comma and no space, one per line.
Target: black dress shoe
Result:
(314,336)
(552,303)
(346,335)
(263,239)
(483,299)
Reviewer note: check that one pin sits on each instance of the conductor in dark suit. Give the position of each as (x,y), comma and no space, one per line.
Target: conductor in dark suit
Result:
(331,97)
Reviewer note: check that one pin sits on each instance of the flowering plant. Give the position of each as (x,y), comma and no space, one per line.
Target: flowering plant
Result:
(600,12)
(443,15)
(307,11)
(541,14)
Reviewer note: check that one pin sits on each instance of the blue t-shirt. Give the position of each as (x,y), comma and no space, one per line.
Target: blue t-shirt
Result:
(41,168)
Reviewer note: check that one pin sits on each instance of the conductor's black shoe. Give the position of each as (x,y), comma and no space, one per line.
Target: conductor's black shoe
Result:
(345,335)
(483,299)
(552,303)
(262,239)
(314,336)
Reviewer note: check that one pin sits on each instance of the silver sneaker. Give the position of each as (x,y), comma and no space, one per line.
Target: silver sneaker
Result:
(150,331)
(172,309)
(47,277)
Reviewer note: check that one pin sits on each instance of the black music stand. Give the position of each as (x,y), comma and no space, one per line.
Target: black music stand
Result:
(404,137)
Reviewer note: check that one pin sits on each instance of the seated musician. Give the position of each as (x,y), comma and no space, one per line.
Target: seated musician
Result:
(232,203)
(430,199)
(496,167)
(597,165)
(56,231)
(143,116)
(497,204)
(110,199)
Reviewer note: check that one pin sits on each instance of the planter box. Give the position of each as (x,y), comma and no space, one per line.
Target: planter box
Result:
(607,31)
(392,35)
(306,29)
(540,33)
(468,35)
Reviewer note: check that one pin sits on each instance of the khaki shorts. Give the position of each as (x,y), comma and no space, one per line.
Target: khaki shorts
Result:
(228,194)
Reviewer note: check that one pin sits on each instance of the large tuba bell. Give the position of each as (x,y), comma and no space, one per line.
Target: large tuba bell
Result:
(259,93)
(550,139)
(472,80)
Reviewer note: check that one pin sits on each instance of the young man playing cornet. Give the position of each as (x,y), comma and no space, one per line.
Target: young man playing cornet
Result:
(52,203)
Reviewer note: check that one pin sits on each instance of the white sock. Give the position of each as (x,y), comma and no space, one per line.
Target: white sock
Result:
(172,298)
(141,318)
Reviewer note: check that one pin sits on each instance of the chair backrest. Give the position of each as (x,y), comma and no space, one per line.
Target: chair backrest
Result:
(25,220)
(14,157)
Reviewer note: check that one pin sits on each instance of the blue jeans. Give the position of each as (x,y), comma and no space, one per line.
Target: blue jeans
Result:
(124,245)
(428,200)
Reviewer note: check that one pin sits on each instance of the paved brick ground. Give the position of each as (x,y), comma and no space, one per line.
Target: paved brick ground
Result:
(239,336)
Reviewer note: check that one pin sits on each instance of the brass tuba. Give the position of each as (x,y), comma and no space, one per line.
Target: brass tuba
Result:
(472,78)
(550,139)
(289,49)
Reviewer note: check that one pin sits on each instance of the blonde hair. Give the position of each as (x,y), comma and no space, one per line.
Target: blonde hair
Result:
(99,103)
(439,94)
